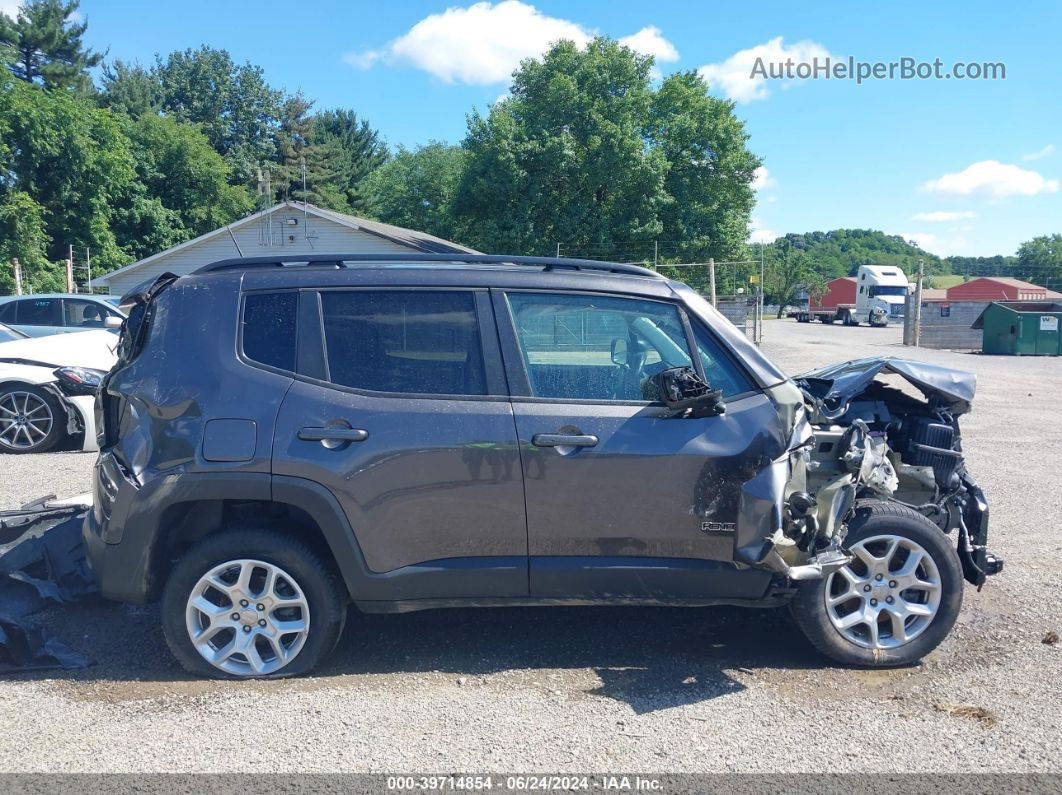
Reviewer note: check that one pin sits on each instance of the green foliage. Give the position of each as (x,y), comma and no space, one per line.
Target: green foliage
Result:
(586,153)
(73,160)
(46,38)
(130,89)
(565,157)
(416,189)
(182,189)
(788,270)
(22,235)
(841,251)
(709,173)
(352,149)
(238,111)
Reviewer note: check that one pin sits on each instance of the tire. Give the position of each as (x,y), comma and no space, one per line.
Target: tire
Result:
(933,610)
(32,420)
(306,590)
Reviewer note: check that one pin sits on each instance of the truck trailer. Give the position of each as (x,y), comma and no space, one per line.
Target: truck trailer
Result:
(875,295)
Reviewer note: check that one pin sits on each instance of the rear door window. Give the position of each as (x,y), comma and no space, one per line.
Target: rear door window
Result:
(404,341)
(269,329)
(40,312)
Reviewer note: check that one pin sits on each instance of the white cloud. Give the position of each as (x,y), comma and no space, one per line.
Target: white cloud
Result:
(944,215)
(992,178)
(650,41)
(734,75)
(1039,153)
(934,244)
(758,233)
(762,179)
(485,42)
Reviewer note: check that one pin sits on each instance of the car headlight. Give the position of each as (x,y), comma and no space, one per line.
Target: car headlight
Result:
(78,380)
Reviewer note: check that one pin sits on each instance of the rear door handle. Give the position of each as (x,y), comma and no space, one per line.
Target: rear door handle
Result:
(563,440)
(315,434)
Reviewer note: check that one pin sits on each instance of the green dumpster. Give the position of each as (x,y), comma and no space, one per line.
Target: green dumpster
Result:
(1021,328)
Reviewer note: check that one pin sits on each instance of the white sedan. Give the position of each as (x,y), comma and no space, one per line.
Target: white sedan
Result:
(47,388)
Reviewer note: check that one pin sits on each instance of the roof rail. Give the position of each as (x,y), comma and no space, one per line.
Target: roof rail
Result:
(341,261)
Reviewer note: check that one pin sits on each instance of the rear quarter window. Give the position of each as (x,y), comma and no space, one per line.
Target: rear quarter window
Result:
(269,329)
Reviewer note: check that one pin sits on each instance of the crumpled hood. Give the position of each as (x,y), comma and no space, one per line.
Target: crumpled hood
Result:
(836,384)
(93,349)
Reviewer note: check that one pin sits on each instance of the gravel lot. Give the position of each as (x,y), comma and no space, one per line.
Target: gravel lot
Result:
(595,689)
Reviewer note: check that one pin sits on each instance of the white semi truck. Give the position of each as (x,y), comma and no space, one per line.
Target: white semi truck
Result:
(875,296)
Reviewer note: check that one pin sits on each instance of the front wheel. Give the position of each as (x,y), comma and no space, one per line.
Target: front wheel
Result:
(895,601)
(251,603)
(32,420)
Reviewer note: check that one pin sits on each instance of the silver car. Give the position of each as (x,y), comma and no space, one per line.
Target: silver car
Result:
(59,313)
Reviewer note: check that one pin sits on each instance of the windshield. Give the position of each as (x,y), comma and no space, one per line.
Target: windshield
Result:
(888,290)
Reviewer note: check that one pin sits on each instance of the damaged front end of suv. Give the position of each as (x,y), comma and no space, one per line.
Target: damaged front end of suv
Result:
(854,440)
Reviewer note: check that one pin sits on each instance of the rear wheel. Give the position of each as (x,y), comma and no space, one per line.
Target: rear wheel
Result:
(31,419)
(895,601)
(251,603)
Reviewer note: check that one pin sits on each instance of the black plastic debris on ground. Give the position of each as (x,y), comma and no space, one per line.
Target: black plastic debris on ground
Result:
(41,559)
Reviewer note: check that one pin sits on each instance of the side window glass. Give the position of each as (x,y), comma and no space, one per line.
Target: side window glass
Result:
(720,371)
(40,312)
(404,341)
(85,314)
(269,329)
(7,312)
(596,347)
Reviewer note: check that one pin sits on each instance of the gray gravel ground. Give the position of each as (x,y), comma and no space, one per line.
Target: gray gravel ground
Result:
(594,689)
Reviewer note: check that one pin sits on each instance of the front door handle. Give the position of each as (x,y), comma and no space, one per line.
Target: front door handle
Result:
(563,440)
(336,434)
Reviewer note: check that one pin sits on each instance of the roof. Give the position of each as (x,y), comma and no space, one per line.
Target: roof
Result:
(418,241)
(1008,281)
(83,296)
(934,294)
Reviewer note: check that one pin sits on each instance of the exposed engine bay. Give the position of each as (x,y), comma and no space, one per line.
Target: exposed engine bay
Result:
(855,438)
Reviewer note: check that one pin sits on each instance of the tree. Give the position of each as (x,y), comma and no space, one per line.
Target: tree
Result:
(788,270)
(22,235)
(710,171)
(47,39)
(586,153)
(565,157)
(74,162)
(306,170)
(182,186)
(238,111)
(416,189)
(353,149)
(130,88)
(1040,261)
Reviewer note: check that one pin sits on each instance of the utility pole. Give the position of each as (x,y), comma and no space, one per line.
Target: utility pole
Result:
(558,251)
(70,269)
(88,264)
(916,332)
(759,329)
(18,276)
(656,253)
(711,279)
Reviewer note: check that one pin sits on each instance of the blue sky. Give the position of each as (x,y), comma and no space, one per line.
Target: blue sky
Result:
(967,167)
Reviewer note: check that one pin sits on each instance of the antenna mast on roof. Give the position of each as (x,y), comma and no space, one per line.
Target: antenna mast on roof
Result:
(302,165)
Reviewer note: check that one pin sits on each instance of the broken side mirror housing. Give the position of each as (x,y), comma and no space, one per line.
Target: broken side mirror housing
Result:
(686,394)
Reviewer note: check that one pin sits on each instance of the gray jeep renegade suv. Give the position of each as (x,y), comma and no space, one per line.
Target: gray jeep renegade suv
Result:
(403,432)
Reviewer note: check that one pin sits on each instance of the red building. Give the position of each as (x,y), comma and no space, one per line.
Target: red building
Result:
(998,288)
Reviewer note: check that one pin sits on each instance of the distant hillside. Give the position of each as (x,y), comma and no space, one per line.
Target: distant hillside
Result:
(840,252)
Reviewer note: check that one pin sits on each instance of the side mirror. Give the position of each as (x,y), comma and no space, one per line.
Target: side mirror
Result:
(112,321)
(619,352)
(687,395)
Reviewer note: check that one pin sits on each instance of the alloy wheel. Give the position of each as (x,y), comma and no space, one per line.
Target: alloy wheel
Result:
(887,595)
(247,617)
(25,420)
